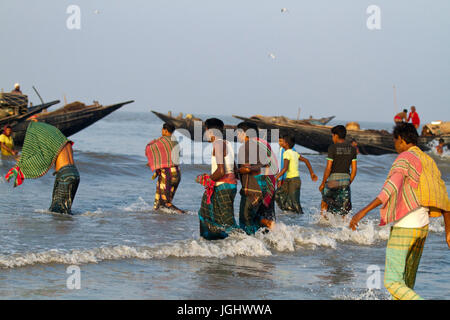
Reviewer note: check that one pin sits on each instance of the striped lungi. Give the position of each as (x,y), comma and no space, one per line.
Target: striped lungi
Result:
(167,185)
(287,196)
(64,189)
(403,253)
(217,217)
(337,194)
(251,214)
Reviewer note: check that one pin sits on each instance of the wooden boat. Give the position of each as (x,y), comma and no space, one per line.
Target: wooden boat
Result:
(69,119)
(321,121)
(314,137)
(12,120)
(318,138)
(188,125)
(285,120)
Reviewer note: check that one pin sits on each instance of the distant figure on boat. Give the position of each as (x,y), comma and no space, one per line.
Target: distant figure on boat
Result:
(335,187)
(401,117)
(16,89)
(45,146)
(354,143)
(440,147)
(7,142)
(414,117)
(163,159)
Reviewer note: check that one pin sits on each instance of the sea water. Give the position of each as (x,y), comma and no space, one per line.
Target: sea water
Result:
(122,249)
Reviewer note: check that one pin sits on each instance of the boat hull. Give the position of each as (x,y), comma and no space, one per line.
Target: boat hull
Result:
(314,137)
(69,123)
(318,138)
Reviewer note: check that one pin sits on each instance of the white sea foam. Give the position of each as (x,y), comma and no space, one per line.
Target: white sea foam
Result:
(285,238)
(142,206)
(366,294)
(139,206)
(336,227)
(56,214)
(437,225)
(97,213)
(282,239)
(235,245)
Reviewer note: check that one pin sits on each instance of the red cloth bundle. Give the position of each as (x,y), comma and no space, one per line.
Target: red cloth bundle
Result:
(16,174)
(159,153)
(205,180)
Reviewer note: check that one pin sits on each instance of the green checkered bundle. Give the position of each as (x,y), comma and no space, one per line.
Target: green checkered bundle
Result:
(43,143)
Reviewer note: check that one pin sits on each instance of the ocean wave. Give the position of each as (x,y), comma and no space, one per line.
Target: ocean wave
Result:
(283,238)
(289,238)
(337,227)
(231,247)
(368,231)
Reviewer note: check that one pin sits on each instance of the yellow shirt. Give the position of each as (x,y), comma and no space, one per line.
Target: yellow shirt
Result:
(292,156)
(9,142)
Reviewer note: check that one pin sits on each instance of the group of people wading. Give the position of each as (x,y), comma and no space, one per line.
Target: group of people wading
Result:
(263,183)
(413,192)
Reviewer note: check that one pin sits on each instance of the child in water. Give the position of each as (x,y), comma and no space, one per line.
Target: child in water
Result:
(287,196)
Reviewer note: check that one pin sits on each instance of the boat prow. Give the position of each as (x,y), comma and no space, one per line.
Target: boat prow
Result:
(69,122)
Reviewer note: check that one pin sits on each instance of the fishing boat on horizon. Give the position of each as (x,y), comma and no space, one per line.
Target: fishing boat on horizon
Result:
(312,136)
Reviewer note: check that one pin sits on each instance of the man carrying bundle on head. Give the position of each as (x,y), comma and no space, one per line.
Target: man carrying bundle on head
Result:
(43,147)
(163,159)
(413,192)
(216,213)
(257,166)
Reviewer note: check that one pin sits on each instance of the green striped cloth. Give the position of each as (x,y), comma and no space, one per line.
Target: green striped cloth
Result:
(43,143)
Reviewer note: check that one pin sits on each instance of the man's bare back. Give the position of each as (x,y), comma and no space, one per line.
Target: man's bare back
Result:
(65,157)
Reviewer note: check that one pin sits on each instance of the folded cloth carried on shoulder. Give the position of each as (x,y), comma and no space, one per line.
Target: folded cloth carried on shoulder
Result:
(42,145)
(162,153)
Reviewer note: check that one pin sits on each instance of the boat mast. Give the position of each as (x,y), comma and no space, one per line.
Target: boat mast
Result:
(395,99)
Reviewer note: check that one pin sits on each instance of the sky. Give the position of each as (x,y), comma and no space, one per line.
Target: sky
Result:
(234,57)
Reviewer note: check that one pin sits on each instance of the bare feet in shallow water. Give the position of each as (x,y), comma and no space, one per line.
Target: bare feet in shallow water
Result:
(268,223)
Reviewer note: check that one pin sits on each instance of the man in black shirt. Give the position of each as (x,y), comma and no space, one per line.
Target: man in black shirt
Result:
(335,187)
